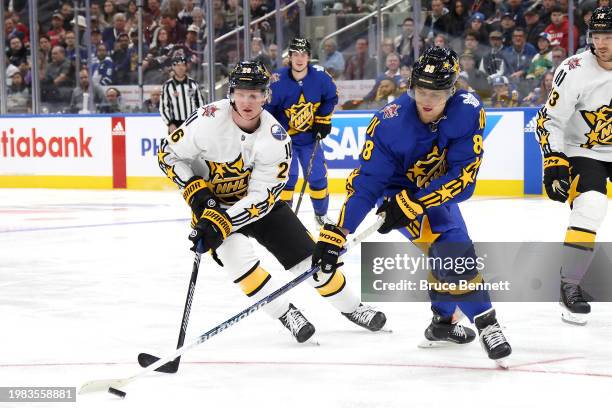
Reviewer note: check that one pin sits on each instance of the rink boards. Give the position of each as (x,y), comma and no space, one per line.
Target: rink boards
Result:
(119,151)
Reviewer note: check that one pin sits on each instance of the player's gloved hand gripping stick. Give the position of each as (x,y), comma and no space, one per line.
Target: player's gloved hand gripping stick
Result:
(113,385)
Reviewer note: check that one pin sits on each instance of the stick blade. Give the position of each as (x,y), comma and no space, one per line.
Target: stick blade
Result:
(170,367)
(101,385)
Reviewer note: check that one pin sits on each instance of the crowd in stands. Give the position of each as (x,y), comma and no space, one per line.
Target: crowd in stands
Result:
(508,48)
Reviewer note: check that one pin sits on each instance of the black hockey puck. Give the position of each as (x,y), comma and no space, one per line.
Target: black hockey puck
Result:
(116,392)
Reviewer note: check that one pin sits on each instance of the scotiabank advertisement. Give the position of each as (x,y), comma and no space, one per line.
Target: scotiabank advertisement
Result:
(121,151)
(55,146)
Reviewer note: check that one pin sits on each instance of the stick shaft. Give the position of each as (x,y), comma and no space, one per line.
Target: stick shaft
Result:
(307,175)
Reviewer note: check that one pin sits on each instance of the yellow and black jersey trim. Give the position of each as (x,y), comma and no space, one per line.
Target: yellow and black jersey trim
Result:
(541,132)
(580,238)
(553,161)
(259,209)
(165,167)
(252,281)
(454,187)
(323,119)
(372,126)
(350,191)
(334,284)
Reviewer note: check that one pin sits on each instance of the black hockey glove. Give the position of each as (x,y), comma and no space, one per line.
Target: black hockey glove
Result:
(321,130)
(556,176)
(210,231)
(199,196)
(399,211)
(328,247)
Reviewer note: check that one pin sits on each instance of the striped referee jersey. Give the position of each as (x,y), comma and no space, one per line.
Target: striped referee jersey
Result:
(178,99)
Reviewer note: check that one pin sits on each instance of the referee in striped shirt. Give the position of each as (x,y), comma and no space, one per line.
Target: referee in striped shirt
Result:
(180,95)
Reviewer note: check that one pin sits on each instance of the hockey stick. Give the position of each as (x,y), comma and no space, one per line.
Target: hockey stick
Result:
(171,367)
(307,174)
(113,385)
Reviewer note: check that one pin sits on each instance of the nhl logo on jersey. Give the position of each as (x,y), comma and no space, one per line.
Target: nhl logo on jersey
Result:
(573,63)
(278,132)
(390,111)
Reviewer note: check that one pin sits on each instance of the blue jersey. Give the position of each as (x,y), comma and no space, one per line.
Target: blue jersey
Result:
(297,105)
(437,163)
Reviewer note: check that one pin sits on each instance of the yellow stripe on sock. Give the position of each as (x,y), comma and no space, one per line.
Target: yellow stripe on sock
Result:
(334,285)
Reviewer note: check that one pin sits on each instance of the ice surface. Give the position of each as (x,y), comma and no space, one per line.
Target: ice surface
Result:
(89,279)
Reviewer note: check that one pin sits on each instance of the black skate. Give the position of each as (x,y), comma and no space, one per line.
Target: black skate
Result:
(367,317)
(297,324)
(491,337)
(573,304)
(442,332)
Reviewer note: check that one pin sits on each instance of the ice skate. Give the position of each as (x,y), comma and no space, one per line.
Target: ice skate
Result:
(367,317)
(574,307)
(297,324)
(492,338)
(443,332)
(321,220)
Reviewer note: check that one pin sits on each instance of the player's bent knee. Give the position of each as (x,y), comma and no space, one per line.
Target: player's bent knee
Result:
(589,210)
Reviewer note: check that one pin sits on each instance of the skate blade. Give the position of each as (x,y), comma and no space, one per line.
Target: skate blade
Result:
(502,363)
(432,344)
(577,319)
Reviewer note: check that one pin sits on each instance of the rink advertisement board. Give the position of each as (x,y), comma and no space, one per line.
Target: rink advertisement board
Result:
(120,151)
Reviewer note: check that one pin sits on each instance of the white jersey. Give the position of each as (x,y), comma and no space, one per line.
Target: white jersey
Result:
(577,118)
(245,171)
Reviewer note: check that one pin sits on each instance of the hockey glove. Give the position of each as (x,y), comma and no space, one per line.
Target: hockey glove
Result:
(199,196)
(556,176)
(210,231)
(321,130)
(400,211)
(327,250)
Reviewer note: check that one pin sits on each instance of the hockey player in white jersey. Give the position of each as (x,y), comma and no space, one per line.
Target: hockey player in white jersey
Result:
(231,159)
(575,132)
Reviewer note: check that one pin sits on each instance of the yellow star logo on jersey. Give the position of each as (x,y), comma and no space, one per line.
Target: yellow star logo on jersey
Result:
(544,138)
(271,199)
(466,177)
(170,173)
(599,122)
(445,193)
(161,156)
(426,236)
(301,115)
(542,119)
(217,169)
(253,211)
(238,165)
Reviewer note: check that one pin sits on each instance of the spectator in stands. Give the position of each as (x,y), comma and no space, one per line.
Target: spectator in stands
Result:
(382,94)
(259,9)
(151,18)
(361,65)
(17,54)
(108,12)
(151,105)
(392,63)
(558,30)
(542,61)
(503,96)
(387,47)
(44,53)
(477,25)
(176,31)
(76,100)
(440,40)
(539,95)
(18,96)
(68,13)
(471,44)
(110,34)
(507,25)
(131,16)
(258,53)
(56,81)
(332,60)
(405,74)
(516,9)
(533,26)
(558,56)
(198,20)
(184,16)
(96,39)
(191,45)
(232,13)
(96,16)
(121,60)
(404,42)
(157,62)
(476,78)
(490,8)
(437,21)
(57,32)
(458,18)
(102,67)
(493,63)
(519,55)
(273,53)
(545,11)
(113,102)
(583,26)
(71,51)
(11,29)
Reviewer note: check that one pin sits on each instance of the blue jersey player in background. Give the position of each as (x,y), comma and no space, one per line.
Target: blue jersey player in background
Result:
(303,99)
(422,154)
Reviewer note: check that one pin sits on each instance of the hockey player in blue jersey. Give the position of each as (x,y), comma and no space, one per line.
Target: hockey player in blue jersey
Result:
(422,153)
(303,99)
